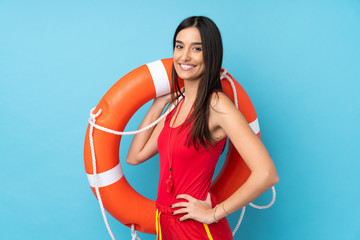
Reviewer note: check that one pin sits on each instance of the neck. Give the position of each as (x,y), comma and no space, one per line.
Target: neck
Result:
(191,88)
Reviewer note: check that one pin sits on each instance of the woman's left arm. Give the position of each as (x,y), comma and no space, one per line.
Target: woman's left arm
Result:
(231,123)
(263,172)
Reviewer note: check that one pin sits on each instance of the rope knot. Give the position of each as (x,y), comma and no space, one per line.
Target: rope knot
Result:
(93,115)
(223,74)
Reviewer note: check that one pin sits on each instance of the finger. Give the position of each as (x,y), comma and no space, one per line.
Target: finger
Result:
(180,211)
(180,205)
(185,196)
(208,199)
(185,217)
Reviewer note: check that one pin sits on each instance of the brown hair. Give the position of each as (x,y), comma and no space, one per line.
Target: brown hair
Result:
(212,55)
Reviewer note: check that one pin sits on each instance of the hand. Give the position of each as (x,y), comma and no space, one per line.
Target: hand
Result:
(164,99)
(167,98)
(195,209)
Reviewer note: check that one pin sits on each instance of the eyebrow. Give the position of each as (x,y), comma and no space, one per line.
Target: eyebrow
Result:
(194,43)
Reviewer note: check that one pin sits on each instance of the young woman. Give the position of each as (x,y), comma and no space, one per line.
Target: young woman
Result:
(191,138)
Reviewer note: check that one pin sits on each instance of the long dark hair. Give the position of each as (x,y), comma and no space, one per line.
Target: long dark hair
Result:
(212,50)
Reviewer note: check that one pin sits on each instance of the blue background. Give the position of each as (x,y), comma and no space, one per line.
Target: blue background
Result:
(298,61)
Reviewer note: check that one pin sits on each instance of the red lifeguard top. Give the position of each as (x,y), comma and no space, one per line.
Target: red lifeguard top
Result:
(192,169)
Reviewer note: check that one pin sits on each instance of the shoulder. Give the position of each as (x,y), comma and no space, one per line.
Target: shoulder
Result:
(223,112)
(220,103)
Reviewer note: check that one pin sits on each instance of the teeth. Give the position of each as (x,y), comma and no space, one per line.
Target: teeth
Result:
(186,66)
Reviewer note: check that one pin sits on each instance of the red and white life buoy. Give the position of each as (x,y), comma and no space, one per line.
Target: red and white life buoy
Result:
(117,106)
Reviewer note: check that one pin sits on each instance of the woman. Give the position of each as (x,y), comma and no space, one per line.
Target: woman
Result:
(191,138)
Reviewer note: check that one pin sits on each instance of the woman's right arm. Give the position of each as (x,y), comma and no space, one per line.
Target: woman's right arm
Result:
(144,144)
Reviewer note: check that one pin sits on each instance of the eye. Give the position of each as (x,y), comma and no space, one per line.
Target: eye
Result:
(178,46)
(197,49)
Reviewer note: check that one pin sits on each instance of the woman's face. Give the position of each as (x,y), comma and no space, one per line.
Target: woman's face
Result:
(188,55)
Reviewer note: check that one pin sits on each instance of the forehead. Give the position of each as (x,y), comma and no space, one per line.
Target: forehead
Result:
(189,35)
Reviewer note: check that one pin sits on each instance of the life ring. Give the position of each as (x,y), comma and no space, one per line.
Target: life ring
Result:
(118,105)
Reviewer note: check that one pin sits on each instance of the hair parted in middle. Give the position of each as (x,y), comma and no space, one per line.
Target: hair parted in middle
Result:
(212,50)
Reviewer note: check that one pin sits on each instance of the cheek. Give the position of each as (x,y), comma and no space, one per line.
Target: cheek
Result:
(202,68)
(200,60)
(176,55)
(177,67)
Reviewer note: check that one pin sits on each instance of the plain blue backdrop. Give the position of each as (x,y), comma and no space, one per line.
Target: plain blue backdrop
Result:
(298,60)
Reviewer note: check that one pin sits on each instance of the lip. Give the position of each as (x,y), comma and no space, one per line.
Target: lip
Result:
(186,67)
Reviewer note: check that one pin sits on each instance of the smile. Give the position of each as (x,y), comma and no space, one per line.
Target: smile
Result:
(186,67)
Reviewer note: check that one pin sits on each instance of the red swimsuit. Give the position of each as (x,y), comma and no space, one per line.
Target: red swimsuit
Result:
(192,171)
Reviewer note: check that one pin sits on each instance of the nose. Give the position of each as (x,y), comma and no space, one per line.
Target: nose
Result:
(186,56)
